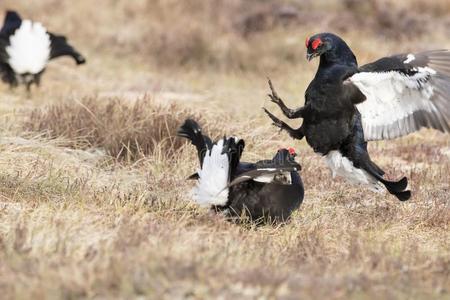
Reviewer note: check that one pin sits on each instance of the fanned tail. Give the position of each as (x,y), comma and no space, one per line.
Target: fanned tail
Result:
(193,132)
(215,161)
(396,188)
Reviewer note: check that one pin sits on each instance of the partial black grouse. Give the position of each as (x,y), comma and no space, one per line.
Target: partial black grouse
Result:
(346,106)
(25,49)
(266,191)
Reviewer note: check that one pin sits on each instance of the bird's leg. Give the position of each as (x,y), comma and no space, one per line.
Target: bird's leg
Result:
(294,133)
(28,87)
(37,80)
(290,113)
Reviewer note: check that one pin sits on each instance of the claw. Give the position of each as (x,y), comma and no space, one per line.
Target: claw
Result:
(272,89)
(275,100)
(273,96)
(275,119)
(294,133)
(270,96)
(276,122)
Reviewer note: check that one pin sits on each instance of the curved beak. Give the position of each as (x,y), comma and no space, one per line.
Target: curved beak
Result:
(310,56)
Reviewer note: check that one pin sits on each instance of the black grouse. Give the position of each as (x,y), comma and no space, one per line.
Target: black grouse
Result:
(25,49)
(346,106)
(265,191)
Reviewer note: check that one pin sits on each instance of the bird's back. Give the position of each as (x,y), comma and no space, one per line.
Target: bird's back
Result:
(268,202)
(29,49)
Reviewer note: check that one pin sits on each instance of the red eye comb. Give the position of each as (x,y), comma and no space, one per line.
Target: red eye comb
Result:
(316,43)
(290,150)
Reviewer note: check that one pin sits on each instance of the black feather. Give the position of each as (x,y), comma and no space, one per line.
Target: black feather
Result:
(333,103)
(403,196)
(193,132)
(60,47)
(11,23)
(259,201)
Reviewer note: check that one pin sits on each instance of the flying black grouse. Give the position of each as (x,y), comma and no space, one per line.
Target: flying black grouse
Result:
(25,49)
(346,106)
(266,191)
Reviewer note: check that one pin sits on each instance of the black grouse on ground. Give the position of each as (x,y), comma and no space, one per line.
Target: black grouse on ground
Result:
(266,191)
(25,49)
(346,106)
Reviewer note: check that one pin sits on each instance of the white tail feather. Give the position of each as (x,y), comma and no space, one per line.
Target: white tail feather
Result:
(29,48)
(213,179)
(342,166)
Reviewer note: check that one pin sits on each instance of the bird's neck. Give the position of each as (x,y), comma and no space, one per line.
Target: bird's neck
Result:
(342,56)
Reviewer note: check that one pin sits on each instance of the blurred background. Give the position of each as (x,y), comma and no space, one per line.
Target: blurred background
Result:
(187,47)
(244,35)
(222,49)
(262,37)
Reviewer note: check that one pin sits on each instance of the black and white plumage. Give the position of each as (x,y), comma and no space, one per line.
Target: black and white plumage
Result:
(347,105)
(25,49)
(268,190)
(404,93)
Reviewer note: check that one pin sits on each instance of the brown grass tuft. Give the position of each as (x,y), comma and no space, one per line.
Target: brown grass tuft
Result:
(126,131)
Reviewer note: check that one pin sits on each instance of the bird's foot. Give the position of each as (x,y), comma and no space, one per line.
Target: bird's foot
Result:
(294,133)
(274,96)
(290,113)
(275,121)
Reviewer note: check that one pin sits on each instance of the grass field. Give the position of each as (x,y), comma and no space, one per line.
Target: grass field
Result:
(93,197)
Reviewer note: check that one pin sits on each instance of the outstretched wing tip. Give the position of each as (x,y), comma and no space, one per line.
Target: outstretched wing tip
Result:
(405,95)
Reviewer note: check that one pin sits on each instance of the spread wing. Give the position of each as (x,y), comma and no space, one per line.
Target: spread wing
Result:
(60,47)
(59,44)
(404,93)
(10,24)
(266,171)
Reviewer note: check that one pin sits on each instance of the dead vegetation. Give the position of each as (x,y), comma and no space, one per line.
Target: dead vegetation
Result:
(72,226)
(227,35)
(125,131)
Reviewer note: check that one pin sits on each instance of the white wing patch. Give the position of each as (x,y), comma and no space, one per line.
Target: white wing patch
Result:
(211,188)
(29,48)
(409,58)
(392,99)
(268,178)
(343,167)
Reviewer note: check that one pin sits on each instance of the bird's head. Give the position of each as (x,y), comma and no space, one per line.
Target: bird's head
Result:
(285,154)
(329,46)
(286,157)
(317,45)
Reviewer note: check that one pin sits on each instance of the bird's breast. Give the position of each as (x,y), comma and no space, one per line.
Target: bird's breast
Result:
(326,134)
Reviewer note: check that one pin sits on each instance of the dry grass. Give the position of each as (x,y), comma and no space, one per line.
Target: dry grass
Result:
(229,34)
(73,226)
(125,131)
